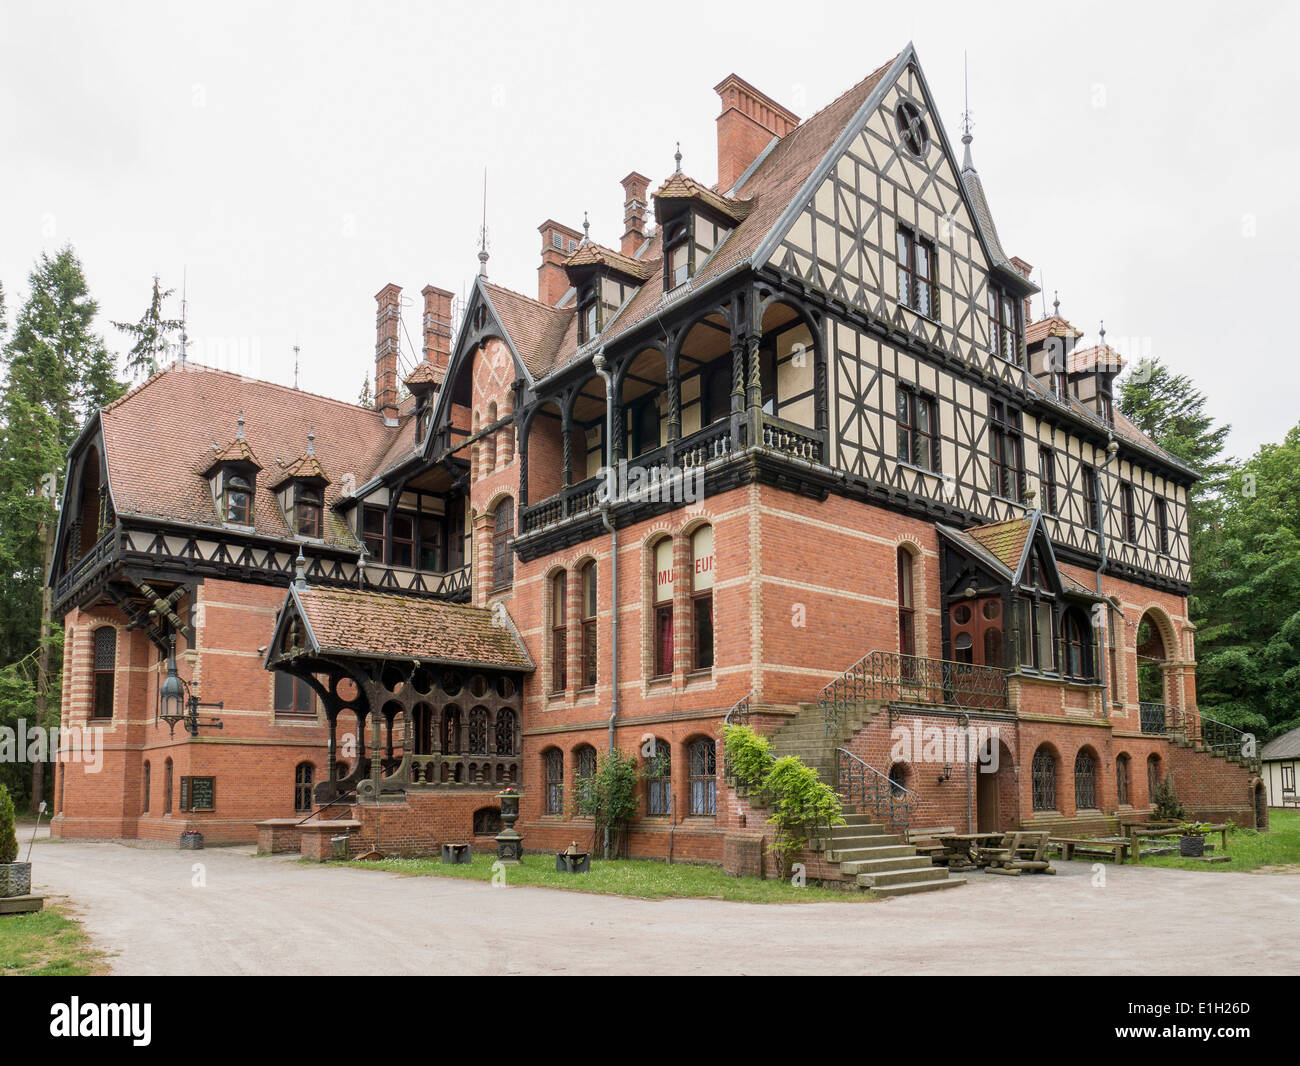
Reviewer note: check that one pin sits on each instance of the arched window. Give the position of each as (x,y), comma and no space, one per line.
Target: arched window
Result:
(105,647)
(703,759)
(505,737)
(304,776)
(478,731)
(238,503)
(553,767)
(906,607)
(662,617)
(898,779)
(1076,643)
(659,779)
(1122,780)
(588,612)
(1153,777)
(559,633)
(167,787)
(451,730)
(145,807)
(1043,772)
(503,533)
(702,569)
(1085,780)
(487,822)
(584,757)
(307,511)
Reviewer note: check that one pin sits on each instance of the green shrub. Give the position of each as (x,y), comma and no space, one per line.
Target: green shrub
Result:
(1166,807)
(802,803)
(609,797)
(8,841)
(748,755)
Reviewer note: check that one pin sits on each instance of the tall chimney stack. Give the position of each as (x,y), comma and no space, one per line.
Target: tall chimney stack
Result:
(387,322)
(748,122)
(558,243)
(636,188)
(437,329)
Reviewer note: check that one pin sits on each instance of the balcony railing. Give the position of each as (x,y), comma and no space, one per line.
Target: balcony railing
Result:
(469,771)
(1153,718)
(864,786)
(405,579)
(884,675)
(712,443)
(102,554)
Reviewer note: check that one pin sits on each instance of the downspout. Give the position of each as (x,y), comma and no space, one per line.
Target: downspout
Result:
(598,362)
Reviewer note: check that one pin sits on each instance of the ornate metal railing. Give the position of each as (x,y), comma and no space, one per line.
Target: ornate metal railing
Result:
(892,676)
(1153,718)
(102,553)
(865,786)
(737,714)
(1224,739)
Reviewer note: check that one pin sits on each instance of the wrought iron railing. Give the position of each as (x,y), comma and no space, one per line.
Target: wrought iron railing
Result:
(1153,718)
(865,786)
(892,676)
(737,714)
(1224,739)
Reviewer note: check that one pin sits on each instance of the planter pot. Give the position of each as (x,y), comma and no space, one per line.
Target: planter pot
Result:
(191,841)
(15,879)
(1191,847)
(510,846)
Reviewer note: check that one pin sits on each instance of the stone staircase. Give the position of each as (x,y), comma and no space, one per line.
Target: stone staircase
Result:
(869,854)
(883,862)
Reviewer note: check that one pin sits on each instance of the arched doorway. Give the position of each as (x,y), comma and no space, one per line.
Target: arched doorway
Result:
(1261,805)
(1155,714)
(995,792)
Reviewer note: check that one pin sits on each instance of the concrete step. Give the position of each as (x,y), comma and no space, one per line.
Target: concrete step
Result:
(914,887)
(886,866)
(858,829)
(888,851)
(850,847)
(920,875)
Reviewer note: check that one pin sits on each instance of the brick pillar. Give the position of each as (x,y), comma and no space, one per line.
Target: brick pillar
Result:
(483,524)
(387,321)
(437,328)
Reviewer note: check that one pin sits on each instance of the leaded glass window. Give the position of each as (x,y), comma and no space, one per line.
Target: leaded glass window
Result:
(1043,771)
(703,777)
(1085,780)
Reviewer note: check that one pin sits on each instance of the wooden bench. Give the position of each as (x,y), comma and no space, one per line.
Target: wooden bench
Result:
(926,842)
(1117,850)
(1021,852)
(1289,798)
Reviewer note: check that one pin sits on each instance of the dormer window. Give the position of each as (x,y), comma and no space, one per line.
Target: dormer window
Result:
(307,511)
(689,243)
(237,500)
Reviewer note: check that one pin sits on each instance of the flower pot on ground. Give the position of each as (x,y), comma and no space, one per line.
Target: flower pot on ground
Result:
(1191,842)
(15,876)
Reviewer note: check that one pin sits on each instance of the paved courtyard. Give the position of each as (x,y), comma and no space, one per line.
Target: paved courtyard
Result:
(155,914)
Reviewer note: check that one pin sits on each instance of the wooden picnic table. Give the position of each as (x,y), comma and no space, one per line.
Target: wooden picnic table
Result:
(963,849)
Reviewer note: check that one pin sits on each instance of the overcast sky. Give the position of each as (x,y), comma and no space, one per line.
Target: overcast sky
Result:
(291,159)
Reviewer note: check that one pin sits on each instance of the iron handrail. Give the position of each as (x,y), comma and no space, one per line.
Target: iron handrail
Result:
(1225,739)
(857,779)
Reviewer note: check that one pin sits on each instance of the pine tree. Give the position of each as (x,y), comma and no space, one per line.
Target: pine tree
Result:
(152,346)
(366,398)
(57,372)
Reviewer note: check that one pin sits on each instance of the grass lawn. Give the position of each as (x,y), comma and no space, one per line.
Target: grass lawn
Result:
(46,944)
(624,877)
(1279,847)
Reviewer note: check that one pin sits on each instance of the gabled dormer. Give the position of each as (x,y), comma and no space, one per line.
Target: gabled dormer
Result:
(423,383)
(232,478)
(694,221)
(604,280)
(300,492)
(1049,345)
(1090,374)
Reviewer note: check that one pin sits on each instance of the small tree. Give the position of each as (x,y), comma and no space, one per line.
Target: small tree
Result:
(608,797)
(8,841)
(802,804)
(1165,805)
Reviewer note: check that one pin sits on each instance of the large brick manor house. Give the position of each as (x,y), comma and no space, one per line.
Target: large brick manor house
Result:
(862,495)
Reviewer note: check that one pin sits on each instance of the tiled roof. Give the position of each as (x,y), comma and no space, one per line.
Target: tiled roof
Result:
(1054,326)
(592,254)
(536,331)
(1005,541)
(424,373)
(237,451)
(1287,746)
(1103,357)
(160,436)
(681,187)
(376,624)
(304,467)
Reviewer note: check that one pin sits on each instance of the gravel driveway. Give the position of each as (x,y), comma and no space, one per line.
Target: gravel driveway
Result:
(154,913)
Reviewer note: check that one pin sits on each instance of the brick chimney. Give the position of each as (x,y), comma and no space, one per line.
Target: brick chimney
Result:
(1025,270)
(748,122)
(636,188)
(437,328)
(558,243)
(387,321)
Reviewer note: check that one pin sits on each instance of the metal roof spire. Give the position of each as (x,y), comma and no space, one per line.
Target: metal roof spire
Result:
(678,157)
(239,422)
(483,234)
(1056,304)
(966,138)
(311,440)
(586,229)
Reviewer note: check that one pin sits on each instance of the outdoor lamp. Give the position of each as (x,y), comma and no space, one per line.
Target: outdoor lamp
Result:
(177,702)
(947,773)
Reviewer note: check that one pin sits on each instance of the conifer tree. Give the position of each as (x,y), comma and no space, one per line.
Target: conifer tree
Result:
(152,345)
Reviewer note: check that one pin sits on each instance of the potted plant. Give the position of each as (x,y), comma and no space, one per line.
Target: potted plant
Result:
(15,876)
(1191,839)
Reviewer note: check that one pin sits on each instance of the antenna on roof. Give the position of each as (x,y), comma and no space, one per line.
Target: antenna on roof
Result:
(1042,290)
(678,157)
(184,336)
(295,366)
(483,233)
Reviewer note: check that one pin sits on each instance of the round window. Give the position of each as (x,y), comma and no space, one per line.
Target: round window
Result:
(992,609)
(912,128)
(961,614)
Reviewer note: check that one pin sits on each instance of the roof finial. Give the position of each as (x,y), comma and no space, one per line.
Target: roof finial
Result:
(483,233)
(311,440)
(300,570)
(295,366)
(184,336)
(586,229)
(239,423)
(966,138)
(1102,333)
(1056,303)
(678,157)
